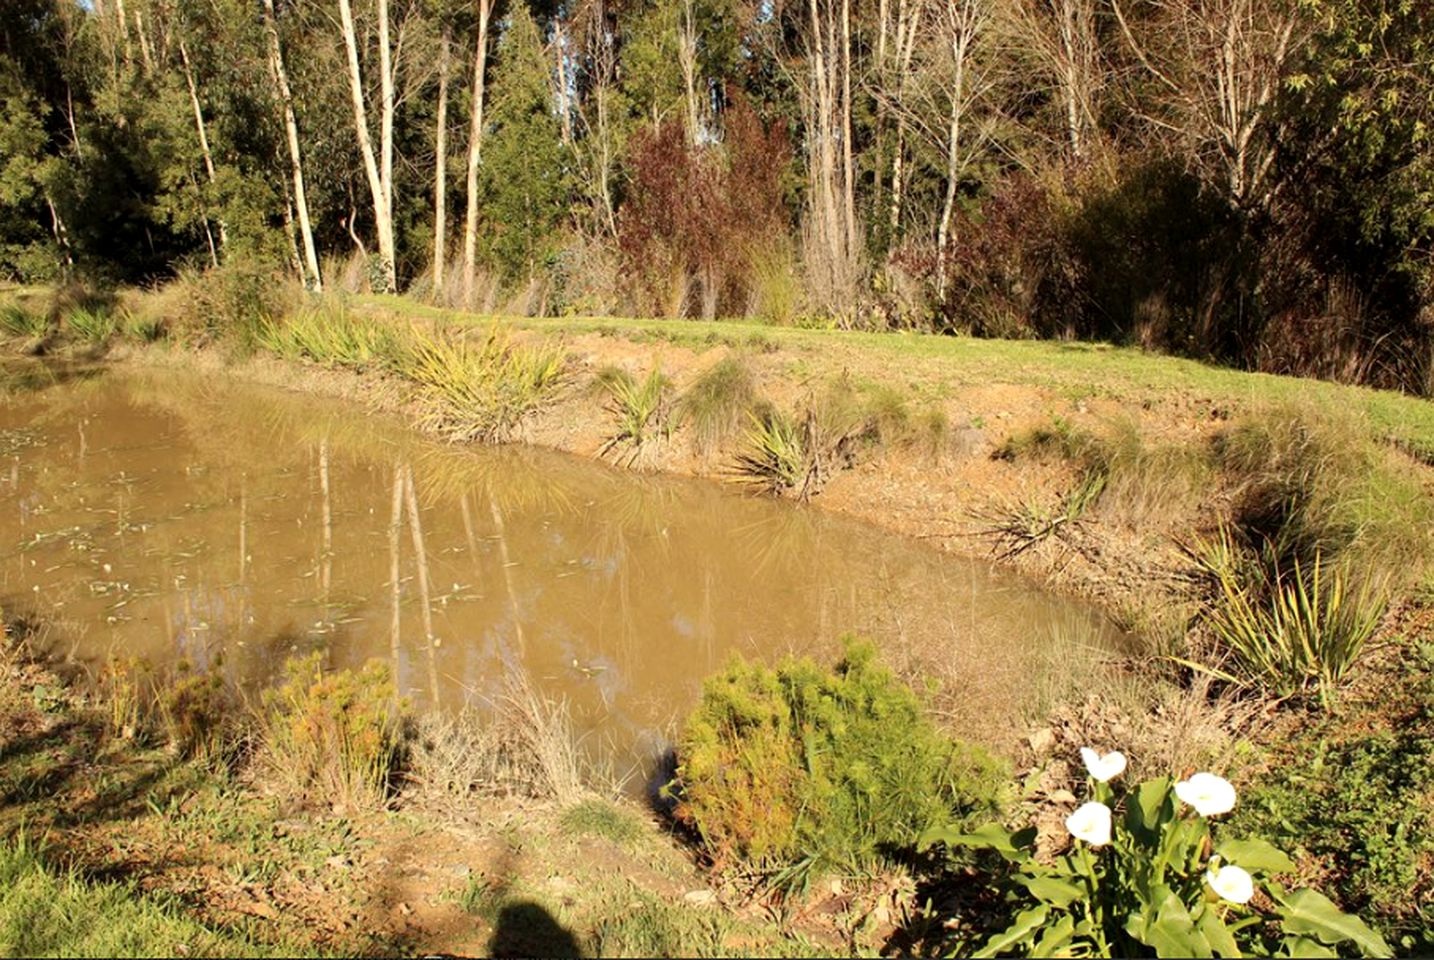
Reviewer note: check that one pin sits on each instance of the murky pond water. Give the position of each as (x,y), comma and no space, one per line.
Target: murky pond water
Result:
(164,516)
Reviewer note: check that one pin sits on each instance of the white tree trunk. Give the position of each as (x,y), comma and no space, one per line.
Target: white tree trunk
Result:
(203,142)
(291,129)
(440,172)
(475,152)
(377,181)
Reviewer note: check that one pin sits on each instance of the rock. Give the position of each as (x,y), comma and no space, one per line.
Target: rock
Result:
(1061,796)
(700,898)
(1042,740)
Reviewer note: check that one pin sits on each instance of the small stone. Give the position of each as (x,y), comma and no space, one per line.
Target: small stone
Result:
(1061,796)
(700,898)
(1043,740)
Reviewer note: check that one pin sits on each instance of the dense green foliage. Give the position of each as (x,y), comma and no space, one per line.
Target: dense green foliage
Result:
(1357,804)
(801,769)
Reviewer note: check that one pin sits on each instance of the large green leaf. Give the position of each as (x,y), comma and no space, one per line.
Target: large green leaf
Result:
(1023,929)
(1050,889)
(1221,940)
(1311,912)
(1147,808)
(1255,856)
(1305,947)
(1056,939)
(1011,846)
(1169,930)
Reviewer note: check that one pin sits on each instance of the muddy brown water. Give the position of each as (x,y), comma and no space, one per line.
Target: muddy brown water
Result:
(168,517)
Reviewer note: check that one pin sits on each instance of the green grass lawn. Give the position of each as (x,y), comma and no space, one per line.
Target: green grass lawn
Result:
(49,913)
(936,363)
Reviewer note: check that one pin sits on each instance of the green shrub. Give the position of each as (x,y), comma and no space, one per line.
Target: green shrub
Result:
(800,770)
(1144,876)
(338,736)
(1360,807)
(232,303)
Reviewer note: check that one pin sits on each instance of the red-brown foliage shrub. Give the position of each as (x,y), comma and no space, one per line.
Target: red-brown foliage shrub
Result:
(699,214)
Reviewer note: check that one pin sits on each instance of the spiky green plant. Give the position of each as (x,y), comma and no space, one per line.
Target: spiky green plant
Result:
(775,457)
(639,407)
(479,391)
(16,321)
(92,325)
(1286,630)
(331,335)
(143,327)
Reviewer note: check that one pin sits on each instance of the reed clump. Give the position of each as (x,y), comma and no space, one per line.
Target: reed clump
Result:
(329,334)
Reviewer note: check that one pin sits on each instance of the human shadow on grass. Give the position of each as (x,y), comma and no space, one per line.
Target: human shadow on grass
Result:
(525,928)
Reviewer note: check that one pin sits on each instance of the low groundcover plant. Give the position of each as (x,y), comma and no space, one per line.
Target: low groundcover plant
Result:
(1143,875)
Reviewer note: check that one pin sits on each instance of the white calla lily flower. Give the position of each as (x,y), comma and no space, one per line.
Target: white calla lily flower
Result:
(1231,883)
(1103,768)
(1091,823)
(1208,794)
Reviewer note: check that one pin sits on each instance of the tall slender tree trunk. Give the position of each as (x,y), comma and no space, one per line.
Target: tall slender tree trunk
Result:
(314,278)
(203,141)
(475,152)
(440,171)
(687,61)
(378,170)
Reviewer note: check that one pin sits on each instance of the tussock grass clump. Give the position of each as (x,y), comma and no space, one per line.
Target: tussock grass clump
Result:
(480,391)
(716,402)
(143,327)
(1283,630)
(802,770)
(16,321)
(329,334)
(522,745)
(1059,439)
(1310,480)
(640,407)
(93,325)
(603,818)
(335,737)
(1121,472)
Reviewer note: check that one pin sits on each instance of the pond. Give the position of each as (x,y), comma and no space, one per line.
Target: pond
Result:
(173,517)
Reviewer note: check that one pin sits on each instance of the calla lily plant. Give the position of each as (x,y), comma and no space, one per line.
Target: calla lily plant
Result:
(1144,875)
